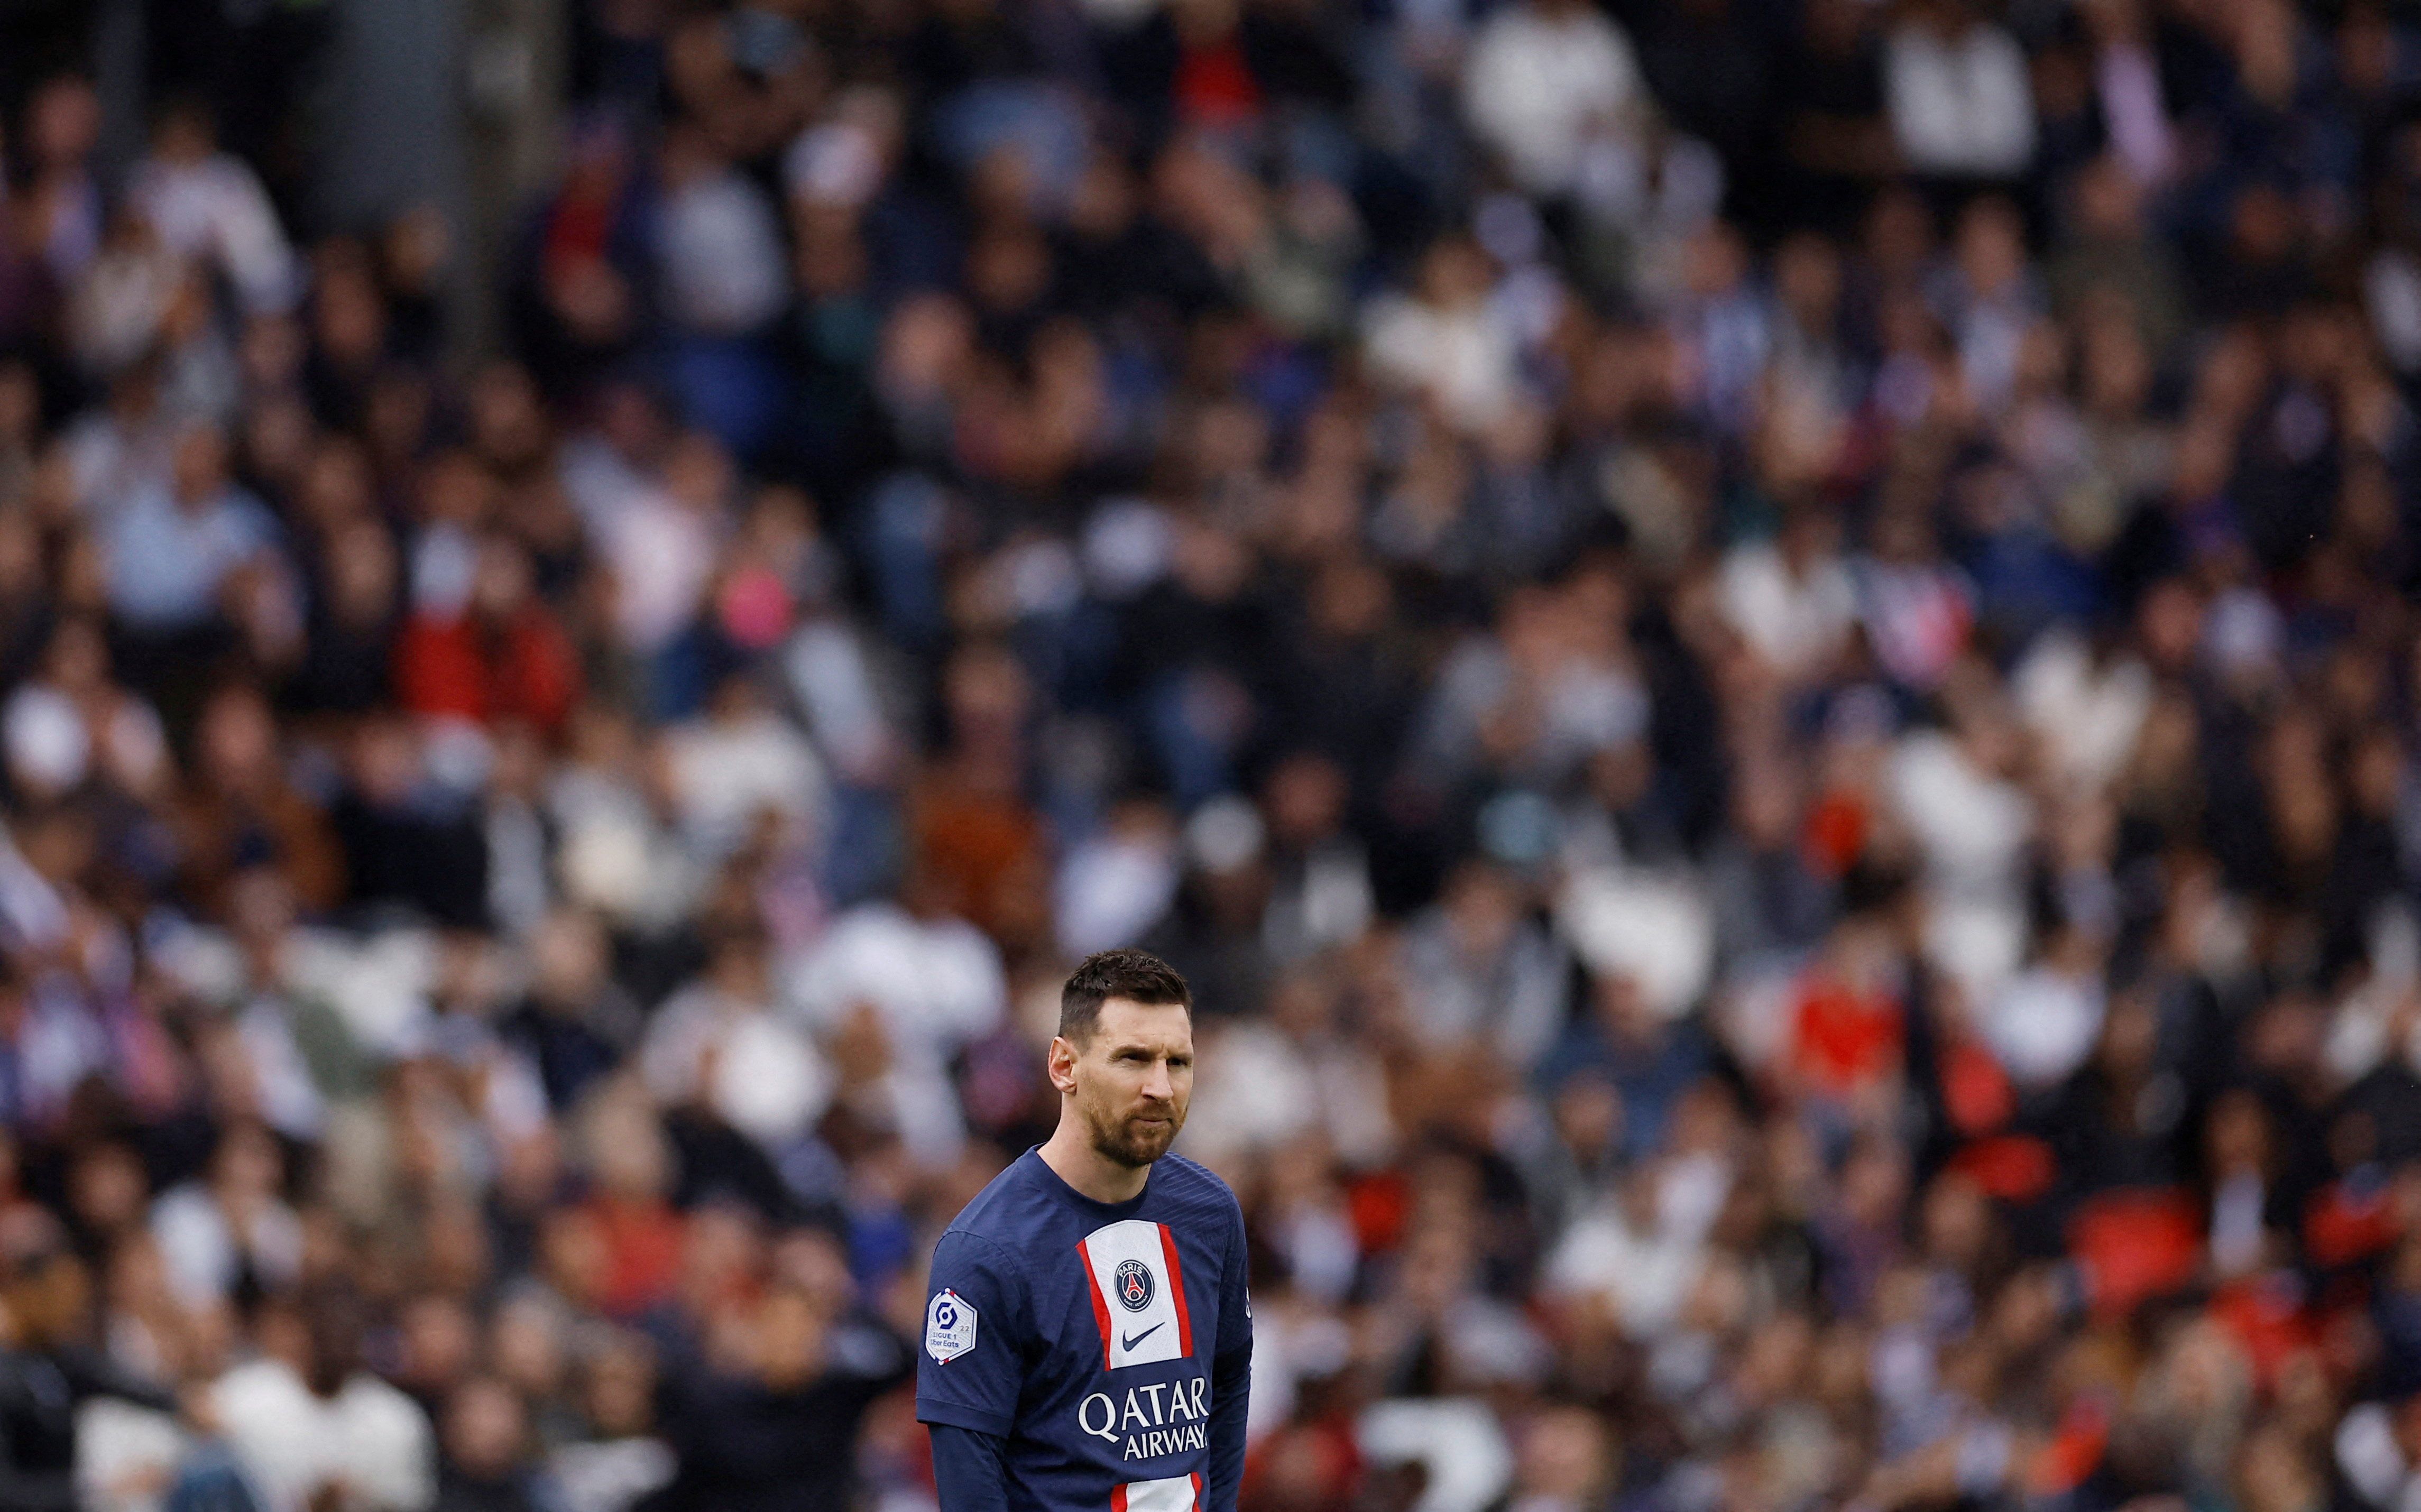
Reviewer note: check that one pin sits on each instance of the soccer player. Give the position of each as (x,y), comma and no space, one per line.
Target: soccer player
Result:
(1087,1342)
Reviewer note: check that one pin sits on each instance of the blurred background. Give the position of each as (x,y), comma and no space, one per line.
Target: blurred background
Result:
(1759,655)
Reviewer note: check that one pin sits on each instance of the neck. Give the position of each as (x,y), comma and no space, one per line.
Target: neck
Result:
(1073,1158)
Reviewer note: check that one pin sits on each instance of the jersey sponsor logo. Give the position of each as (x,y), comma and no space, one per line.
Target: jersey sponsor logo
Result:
(1134,1285)
(1135,1262)
(949,1326)
(1168,1417)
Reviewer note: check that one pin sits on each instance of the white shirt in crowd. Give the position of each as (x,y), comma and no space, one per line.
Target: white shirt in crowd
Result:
(726,772)
(1795,621)
(612,1475)
(938,981)
(1114,886)
(724,269)
(369,1436)
(1541,81)
(1643,1273)
(1972,828)
(1961,106)
(663,557)
(2043,1023)
(204,1253)
(216,209)
(1260,1089)
(756,1068)
(2086,714)
(1464,359)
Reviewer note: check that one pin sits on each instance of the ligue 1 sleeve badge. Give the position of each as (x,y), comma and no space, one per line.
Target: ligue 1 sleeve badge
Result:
(949,1326)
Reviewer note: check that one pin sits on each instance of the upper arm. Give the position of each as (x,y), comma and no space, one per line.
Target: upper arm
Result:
(1235,1300)
(970,1364)
(969,1470)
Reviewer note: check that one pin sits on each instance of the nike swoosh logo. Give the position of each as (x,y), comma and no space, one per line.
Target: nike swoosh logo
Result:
(1128,1341)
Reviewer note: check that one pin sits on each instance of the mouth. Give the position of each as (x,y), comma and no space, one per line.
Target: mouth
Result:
(1139,1138)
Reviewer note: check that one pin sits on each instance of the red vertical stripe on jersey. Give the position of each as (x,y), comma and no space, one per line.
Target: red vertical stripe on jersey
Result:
(1197,1492)
(1176,1291)
(1118,1492)
(1102,1318)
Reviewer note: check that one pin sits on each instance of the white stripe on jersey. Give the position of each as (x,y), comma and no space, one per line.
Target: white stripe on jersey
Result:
(1178,1494)
(1138,1293)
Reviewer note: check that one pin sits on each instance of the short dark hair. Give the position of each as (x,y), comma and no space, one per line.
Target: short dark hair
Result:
(1136,975)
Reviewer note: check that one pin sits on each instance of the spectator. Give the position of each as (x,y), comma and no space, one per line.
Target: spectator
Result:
(1544,82)
(484,1444)
(775,1429)
(739,762)
(70,722)
(208,204)
(723,274)
(620,1460)
(239,809)
(1791,599)
(579,281)
(48,1374)
(577,1023)
(1449,345)
(720,1042)
(1837,132)
(937,980)
(231,1233)
(62,129)
(311,1425)
(502,658)
(176,550)
(1961,106)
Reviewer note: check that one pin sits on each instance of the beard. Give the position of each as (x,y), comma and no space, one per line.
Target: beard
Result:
(1131,1141)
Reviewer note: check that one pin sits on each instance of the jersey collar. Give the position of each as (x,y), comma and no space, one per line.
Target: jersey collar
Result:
(1107,1212)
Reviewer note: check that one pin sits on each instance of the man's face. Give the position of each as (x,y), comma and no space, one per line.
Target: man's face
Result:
(1132,1079)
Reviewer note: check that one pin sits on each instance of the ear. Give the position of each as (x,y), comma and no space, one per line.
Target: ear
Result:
(1062,1064)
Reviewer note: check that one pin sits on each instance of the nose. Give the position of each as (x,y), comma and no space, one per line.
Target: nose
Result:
(1155,1082)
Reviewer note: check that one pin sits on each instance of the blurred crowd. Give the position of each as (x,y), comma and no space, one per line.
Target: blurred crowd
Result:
(1756,652)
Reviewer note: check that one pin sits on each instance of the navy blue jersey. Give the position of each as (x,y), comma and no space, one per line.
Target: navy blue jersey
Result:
(1107,1343)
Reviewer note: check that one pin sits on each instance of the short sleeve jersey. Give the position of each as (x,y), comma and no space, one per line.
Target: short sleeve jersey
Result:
(1085,1335)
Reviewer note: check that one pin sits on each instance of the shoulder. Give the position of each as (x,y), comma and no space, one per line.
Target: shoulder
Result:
(1194,1187)
(960,1246)
(1188,1175)
(999,1219)
(257,1388)
(371,1403)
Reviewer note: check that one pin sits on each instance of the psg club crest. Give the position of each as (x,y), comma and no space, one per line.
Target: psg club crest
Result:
(949,1326)
(1132,1279)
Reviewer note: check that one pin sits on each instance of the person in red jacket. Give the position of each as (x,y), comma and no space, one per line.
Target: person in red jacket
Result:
(505,656)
